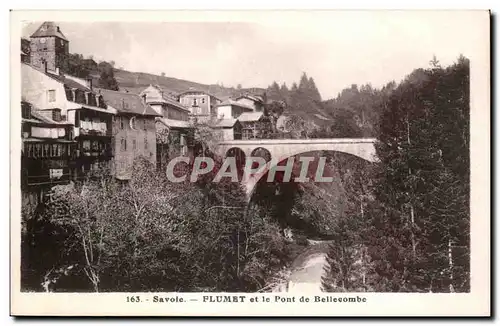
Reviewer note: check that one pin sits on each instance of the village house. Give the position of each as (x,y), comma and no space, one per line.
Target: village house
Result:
(227,129)
(231,109)
(172,126)
(256,102)
(201,105)
(134,132)
(255,125)
(75,102)
(47,153)
(165,105)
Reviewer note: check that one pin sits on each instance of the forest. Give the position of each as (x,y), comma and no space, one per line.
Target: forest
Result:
(399,225)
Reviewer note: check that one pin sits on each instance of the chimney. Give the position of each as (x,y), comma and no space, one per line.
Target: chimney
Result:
(144,98)
(89,83)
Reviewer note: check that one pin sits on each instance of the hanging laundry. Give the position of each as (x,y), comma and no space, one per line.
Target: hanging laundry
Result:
(38,132)
(61,132)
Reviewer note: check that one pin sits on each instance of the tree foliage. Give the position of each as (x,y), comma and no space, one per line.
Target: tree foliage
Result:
(423,181)
(107,77)
(141,236)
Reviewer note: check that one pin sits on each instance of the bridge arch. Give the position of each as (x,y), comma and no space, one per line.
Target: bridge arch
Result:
(253,181)
(240,157)
(261,152)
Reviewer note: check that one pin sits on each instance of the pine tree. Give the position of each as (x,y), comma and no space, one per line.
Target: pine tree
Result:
(273,92)
(304,83)
(314,90)
(423,181)
(285,92)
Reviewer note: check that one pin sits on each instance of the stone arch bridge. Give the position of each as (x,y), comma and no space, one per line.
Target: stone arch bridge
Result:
(281,149)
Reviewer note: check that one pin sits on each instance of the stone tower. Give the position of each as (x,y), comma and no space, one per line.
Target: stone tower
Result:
(48,44)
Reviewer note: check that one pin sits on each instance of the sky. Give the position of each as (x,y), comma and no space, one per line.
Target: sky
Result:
(336,48)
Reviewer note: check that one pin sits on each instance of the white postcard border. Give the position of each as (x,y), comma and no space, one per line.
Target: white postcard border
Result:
(475,303)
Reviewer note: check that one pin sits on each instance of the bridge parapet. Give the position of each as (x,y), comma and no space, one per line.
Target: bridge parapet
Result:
(284,148)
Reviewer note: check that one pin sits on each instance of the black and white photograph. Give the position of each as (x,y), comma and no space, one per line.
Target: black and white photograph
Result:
(327,155)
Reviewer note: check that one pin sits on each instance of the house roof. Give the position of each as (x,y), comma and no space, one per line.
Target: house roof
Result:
(62,79)
(233,102)
(250,116)
(73,84)
(198,91)
(164,97)
(126,102)
(174,123)
(225,123)
(254,98)
(49,29)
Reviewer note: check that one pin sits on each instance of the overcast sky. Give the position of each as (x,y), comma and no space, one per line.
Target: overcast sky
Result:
(336,48)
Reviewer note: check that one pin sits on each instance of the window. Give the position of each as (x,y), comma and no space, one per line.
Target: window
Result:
(123,144)
(80,96)
(121,122)
(102,104)
(203,100)
(145,142)
(92,99)
(145,124)
(134,144)
(194,102)
(56,115)
(247,134)
(51,95)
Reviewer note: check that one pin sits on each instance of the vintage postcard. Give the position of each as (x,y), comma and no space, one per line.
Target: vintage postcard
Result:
(250,163)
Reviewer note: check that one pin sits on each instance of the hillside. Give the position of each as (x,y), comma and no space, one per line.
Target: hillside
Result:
(135,82)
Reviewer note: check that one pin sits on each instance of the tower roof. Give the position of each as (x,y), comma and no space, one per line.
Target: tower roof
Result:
(49,29)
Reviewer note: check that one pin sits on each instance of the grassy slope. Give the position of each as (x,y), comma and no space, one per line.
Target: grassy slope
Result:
(135,82)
